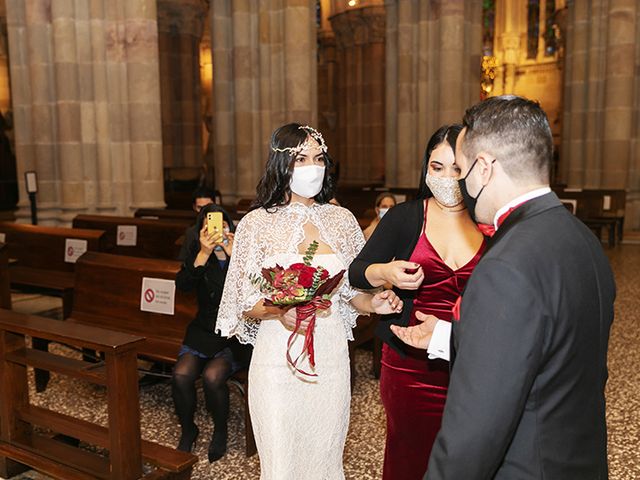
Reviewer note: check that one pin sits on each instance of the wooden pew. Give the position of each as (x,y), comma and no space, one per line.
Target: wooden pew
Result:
(108,295)
(22,445)
(599,209)
(5,286)
(155,238)
(40,257)
(40,263)
(188,216)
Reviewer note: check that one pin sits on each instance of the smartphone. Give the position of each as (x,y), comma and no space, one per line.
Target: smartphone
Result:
(214,222)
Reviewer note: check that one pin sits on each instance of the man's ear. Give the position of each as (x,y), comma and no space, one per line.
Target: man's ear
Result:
(485,166)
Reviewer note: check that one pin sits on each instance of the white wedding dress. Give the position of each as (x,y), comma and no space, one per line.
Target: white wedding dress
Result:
(300,422)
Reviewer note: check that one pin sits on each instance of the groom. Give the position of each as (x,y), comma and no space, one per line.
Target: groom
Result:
(529,350)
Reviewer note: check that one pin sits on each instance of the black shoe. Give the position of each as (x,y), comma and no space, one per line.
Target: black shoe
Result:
(218,445)
(188,439)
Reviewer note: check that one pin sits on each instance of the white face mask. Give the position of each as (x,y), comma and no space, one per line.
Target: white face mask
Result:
(381,212)
(446,190)
(307,181)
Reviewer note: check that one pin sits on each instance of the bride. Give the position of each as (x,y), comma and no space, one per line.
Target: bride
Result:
(300,422)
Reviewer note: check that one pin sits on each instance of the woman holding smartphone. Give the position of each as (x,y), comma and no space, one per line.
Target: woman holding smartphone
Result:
(427,249)
(204,352)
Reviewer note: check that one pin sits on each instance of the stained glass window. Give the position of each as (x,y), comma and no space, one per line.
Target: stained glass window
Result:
(318,14)
(533,27)
(488,26)
(550,42)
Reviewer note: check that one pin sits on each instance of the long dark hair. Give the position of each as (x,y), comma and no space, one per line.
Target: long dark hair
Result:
(194,248)
(446,133)
(273,189)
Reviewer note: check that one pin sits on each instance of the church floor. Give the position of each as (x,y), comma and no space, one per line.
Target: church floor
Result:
(365,442)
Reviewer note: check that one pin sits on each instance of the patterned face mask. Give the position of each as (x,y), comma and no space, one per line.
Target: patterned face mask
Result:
(445,189)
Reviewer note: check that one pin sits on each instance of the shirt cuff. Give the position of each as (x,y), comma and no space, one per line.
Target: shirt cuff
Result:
(440,341)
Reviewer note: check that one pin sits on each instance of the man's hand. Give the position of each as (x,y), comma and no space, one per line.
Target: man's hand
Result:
(419,335)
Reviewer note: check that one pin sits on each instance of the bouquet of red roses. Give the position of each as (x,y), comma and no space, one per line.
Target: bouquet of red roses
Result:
(304,287)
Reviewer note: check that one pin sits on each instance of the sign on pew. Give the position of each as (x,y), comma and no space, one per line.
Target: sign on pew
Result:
(73,249)
(127,236)
(158,295)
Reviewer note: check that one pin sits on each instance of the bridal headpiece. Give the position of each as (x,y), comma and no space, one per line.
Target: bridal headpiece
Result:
(313,133)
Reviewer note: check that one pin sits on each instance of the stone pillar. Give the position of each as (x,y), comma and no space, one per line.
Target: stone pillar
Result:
(433,60)
(508,20)
(602,99)
(360,87)
(327,80)
(86,105)
(180,28)
(264,75)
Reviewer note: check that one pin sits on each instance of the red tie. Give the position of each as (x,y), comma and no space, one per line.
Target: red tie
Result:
(489,230)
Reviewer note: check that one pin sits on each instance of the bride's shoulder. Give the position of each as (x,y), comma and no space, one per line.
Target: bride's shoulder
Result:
(335,211)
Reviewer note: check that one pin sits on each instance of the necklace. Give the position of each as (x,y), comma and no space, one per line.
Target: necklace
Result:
(454,209)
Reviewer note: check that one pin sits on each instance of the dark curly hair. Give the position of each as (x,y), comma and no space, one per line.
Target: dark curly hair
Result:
(446,133)
(273,189)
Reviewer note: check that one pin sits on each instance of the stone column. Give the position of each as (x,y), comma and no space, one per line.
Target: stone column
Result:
(180,28)
(602,99)
(360,86)
(264,75)
(433,60)
(86,101)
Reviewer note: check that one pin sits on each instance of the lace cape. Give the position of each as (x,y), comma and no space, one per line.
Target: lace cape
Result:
(262,234)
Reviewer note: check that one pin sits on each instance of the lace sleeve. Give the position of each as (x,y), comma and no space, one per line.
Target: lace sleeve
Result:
(351,244)
(239,294)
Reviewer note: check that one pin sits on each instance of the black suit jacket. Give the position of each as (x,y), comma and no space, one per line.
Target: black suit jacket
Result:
(526,397)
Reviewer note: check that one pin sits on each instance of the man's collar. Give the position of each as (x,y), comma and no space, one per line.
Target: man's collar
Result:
(538,192)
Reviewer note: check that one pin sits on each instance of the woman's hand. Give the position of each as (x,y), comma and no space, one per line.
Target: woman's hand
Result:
(386,302)
(288,319)
(402,274)
(228,246)
(207,244)
(208,241)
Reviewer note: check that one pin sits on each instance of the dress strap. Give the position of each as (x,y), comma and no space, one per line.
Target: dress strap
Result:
(424,220)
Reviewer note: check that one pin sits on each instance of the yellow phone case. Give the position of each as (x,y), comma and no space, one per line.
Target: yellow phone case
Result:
(214,221)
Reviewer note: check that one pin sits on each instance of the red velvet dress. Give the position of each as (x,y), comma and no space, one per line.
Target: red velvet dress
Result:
(413,388)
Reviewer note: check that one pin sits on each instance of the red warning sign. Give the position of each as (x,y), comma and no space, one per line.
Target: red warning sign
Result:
(70,251)
(149,295)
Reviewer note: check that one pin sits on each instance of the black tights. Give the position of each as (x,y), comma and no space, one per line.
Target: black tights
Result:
(216,392)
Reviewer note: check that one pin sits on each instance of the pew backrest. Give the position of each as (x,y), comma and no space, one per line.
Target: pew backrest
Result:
(108,294)
(153,238)
(46,248)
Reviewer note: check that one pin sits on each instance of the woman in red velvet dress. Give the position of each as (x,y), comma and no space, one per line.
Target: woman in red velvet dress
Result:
(427,249)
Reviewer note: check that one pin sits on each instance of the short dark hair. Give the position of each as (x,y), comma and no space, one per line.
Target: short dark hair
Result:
(203,192)
(445,134)
(273,188)
(516,131)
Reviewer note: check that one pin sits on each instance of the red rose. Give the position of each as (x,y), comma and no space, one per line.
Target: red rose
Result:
(325,274)
(297,266)
(306,276)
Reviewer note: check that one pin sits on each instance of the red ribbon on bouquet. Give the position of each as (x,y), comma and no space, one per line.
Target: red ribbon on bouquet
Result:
(303,312)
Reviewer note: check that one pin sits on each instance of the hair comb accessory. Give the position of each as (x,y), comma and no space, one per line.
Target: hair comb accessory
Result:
(313,133)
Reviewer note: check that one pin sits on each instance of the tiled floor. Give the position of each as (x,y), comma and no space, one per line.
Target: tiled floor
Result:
(365,443)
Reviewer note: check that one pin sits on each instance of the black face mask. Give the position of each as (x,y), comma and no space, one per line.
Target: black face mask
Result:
(470,201)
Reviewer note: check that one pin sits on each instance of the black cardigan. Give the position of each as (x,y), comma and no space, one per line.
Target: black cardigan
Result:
(394,238)
(207,281)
